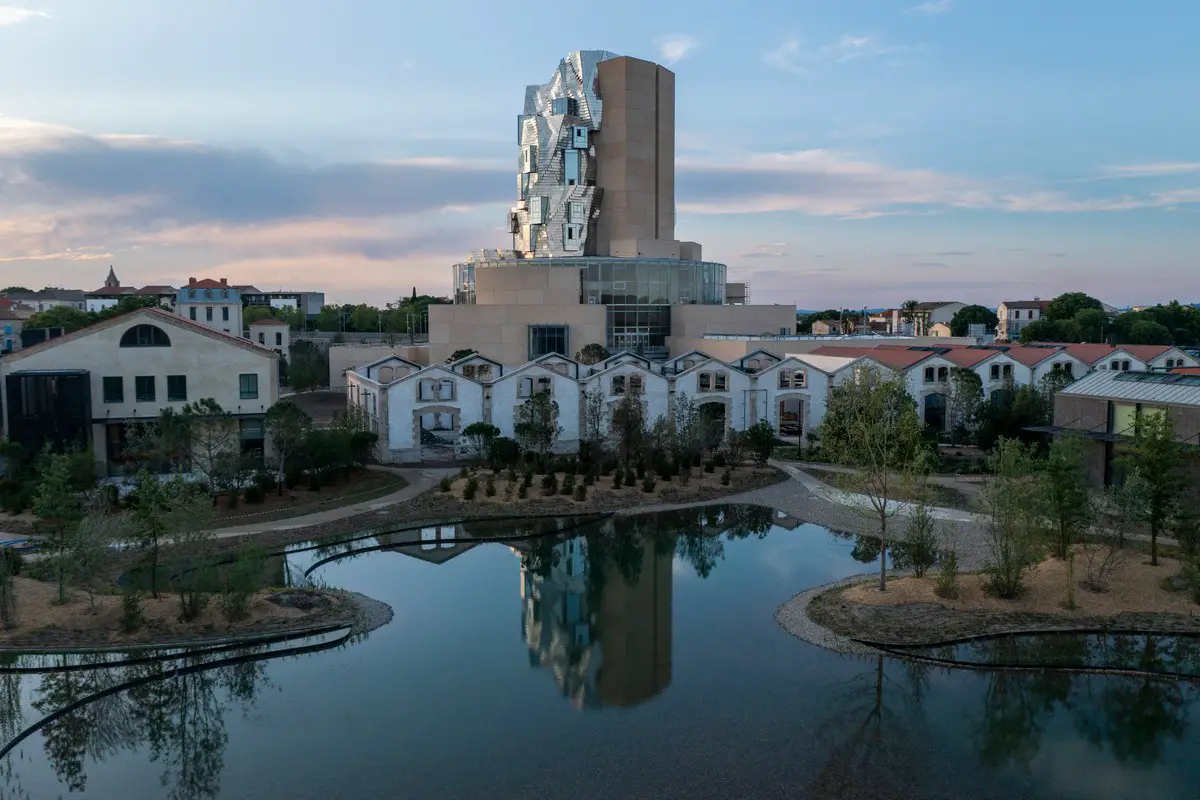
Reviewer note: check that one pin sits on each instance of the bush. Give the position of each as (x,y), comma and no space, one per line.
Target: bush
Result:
(588,479)
(710,467)
(641,470)
(527,483)
(761,440)
(490,487)
(255,493)
(132,617)
(314,481)
(504,452)
(630,478)
(511,475)
(725,478)
(921,539)
(581,493)
(445,484)
(946,583)
(13,560)
(568,485)
(550,485)
(8,595)
(470,488)
(648,484)
(618,479)
(522,492)
(1191,576)
(265,481)
(464,472)
(718,460)
(231,498)
(241,581)
(1099,563)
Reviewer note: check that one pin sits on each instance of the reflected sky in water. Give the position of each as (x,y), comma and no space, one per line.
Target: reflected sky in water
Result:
(636,657)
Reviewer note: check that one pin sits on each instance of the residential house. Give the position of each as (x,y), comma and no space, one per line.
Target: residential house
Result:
(925,316)
(426,412)
(10,331)
(1013,315)
(940,329)
(49,298)
(553,374)
(1103,410)
(719,391)
(112,291)
(213,304)
(90,387)
(272,333)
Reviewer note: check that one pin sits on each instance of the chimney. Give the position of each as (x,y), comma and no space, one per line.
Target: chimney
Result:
(224,281)
(191,281)
(1036,299)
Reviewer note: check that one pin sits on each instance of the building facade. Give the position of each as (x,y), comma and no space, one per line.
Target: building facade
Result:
(90,387)
(211,303)
(1013,315)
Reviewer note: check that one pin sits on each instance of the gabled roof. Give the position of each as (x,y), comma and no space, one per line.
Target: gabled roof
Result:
(640,364)
(538,363)
(148,315)
(207,283)
(706,362)
(269,321)
(443,368)
(934,305)
(760,352)
(1152,387)
(7,314)
(690,354)
(155,288)
(247,288)
(555,357)
(388,357)
(830,365)
(1039,304)
(894,357)
(65,295)
(1032,355)
(473,357)
(622,354)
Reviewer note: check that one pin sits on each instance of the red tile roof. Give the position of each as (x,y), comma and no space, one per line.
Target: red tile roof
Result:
(1092,353)
(269,321)
(208,283)
(1032,356)
(1186,370)
(894,357)
(7,314)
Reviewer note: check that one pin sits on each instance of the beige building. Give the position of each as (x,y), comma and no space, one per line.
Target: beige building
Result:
(273,334)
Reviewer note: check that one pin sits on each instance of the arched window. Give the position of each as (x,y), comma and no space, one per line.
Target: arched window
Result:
(145,336)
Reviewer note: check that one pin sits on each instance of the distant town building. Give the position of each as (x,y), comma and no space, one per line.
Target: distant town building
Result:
(211,303)
(1013,315)
(49,298)
(112,291)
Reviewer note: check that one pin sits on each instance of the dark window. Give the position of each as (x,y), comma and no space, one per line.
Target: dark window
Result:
(544,339)
(248,386)
(114,390)
(225,313)
(208,313)
(192,313)
(145,336)
(279,337)
(995,371)
(143,388)
(262,338)
(177,387)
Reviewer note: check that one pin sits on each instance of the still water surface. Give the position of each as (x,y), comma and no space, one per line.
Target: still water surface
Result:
(630,658)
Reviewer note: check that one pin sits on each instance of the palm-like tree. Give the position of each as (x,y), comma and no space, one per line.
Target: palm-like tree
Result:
(910,313)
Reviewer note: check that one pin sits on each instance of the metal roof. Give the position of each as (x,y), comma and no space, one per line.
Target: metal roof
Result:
(1152,387)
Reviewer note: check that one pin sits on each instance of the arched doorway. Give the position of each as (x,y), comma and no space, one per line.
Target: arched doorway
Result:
(791,417)
(713,422)
(935,411)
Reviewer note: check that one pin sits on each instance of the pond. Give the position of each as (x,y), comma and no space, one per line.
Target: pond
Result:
(615,658)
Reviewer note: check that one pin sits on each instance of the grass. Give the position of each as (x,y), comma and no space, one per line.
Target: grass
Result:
(368,485)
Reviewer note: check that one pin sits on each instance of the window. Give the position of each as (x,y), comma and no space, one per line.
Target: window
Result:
(995,372)
(279,337)
(1069,368)
(1008,370)
(537,209)
(248,386)
(570,167)
(704,382)
(791,378)
(143,388)
(545,339)
(618,384)
(575,211)
(114,390)
(192,313)
(177,387)
(145,336)
(483,372)
(579,137)
(225,313)
(943,374)
(468,370)
(208,313)
(1125,366)
(435,390)
(929,374)
(721,381)
(262,338)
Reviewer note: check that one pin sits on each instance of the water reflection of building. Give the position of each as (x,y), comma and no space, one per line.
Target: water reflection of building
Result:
(606,640)
(436,544)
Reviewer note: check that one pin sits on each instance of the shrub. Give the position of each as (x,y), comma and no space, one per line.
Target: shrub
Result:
(13,561)
(568,485)
(581,493)
(446,484)
(8,596)
(504,452)
(618,479)
(463,472)
(1099,563)
(710,467)
(588,479)
(314,481)
(725,478)
(630,478)
(946,583)
(265,481)
(550,485)
(522,492)
(761,440)
(241,581)
(1191,576)
(648,484)
(255,493)
(511,475)
(490,487)
(509,489)
(231,498)
(718,460)
(528,481)
(641,470)
(921,539)
(470,488)
(132,617)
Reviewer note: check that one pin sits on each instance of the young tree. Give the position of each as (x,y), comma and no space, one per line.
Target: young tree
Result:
(536,423)
(629,427)
(686,438)
(592,354)
(1064,494)
(59,510)
(164,443)
(965,402)
(165,509)
(760,438)
(910,313)
(871,424)
(594,423)
(214,436)
(287,428)
(1010,501)
(88,550)
(308,368)
(480,435)
(1161,462)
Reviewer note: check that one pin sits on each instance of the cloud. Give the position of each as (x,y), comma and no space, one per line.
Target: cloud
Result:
(676,47)
(11,15)
(839,184)
(1057,255)
(934,7)
(792,56)
(766,251)
(957,253)
(1152,170)
(930,265)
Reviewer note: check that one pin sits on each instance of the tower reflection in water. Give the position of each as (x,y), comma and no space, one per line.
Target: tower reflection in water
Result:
(597,614)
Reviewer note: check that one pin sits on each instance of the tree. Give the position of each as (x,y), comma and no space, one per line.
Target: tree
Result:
(1064,494)
(127,304)
(59,510)
(481,434)
(965,401)
(214,436)
(458,355)
(910,313)
(592,354)
(287,428)
(364,318)
(88,549)
(255,314)
(1066,306)
(308,368)
(1049,330)
(1161,462)
(871,424)
(16,290)
(1147,331)
(1010,501)
(760,438)
(65,317)
(536,426)
(629,427)
(972,315)
(594,421)
(1090,325)
(686,435)
(164,444)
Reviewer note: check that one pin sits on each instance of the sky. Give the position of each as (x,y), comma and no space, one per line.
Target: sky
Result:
(831,152)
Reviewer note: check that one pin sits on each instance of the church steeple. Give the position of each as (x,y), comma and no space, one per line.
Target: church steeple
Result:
(111,281)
